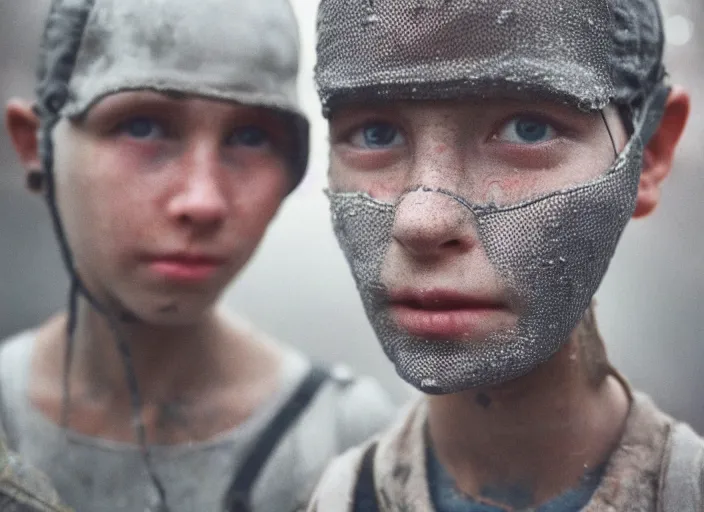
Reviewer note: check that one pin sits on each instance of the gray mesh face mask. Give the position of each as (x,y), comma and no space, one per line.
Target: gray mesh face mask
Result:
(550,252)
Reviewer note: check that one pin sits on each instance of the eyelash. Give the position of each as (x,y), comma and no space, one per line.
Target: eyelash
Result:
(561,129)
(345,134)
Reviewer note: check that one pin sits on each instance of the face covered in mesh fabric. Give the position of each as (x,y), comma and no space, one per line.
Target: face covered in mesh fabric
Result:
(546,250)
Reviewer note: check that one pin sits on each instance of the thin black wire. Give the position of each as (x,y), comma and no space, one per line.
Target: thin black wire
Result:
(608,130)
(69,350)
(77,288)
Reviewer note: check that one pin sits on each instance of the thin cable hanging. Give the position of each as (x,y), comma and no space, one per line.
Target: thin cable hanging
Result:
(77,288)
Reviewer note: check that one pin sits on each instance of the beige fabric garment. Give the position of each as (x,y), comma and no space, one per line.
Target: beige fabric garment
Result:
(631,481)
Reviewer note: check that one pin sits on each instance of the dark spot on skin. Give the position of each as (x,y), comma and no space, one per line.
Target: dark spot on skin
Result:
(401,473)
(128,317)
(170,308)
(484,400)
(171,414)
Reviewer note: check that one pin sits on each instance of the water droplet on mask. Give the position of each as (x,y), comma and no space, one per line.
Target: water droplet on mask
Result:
(371,19)
(552,327)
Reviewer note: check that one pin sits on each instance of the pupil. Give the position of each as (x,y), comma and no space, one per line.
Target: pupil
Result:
(379,135)
(252,137)
(140,128)
(531,130)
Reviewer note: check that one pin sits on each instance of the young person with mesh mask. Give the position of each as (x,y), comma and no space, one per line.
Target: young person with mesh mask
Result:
(485,159)
(164,137)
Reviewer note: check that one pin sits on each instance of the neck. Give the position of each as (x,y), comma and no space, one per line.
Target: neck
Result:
(163,358)
(532,438)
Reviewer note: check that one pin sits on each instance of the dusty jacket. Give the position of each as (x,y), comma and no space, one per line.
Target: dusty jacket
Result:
(639,473)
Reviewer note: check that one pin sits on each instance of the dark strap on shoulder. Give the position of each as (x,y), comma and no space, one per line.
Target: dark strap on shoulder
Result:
(365,492)
(238,496)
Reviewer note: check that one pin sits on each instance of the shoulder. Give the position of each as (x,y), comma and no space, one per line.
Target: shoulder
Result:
(24,489)
(681,486)
(679,470)
(17,342)
(336,488)
(362,406)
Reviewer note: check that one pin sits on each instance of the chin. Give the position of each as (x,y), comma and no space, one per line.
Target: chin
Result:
(170,311)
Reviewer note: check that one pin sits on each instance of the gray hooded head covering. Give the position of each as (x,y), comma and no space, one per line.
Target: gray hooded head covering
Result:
(244,51)
(587,53)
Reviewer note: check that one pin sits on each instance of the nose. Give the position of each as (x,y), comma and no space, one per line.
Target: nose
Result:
(430,225)
(201,199)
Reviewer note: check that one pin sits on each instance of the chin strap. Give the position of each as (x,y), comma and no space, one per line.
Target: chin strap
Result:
(77,290)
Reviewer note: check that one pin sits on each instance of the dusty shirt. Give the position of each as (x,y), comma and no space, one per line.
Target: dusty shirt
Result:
(446,497)
(631,481)
(23,489)
(94,475)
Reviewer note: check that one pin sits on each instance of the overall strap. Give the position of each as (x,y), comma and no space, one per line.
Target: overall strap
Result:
(365,499)
(238,496)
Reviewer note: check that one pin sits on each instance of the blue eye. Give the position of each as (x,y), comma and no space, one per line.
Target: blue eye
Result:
(524,130)
(250,136)
(142,128)
(377,136)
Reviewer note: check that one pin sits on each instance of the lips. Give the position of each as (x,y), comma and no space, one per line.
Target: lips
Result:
(185,266)
(444,314)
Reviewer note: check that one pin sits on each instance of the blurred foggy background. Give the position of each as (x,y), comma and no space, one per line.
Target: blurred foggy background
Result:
(299,288)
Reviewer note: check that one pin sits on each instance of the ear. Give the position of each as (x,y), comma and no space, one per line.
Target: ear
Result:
(660,151)
(23,127)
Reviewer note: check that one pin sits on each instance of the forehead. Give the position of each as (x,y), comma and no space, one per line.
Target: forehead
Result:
(425,49)
(181,108)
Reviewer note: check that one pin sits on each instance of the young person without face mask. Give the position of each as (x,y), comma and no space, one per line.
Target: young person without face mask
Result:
(164,137)
(486,157)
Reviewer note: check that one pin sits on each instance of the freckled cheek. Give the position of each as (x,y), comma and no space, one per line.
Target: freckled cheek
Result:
(508,189)
(253,206)
(382,185)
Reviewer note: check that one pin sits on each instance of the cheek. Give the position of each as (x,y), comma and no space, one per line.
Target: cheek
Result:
(99,207)
(256,200)
(383,185)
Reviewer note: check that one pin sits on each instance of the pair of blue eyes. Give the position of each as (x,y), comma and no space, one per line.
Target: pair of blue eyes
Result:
(145,129)
(380,135)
